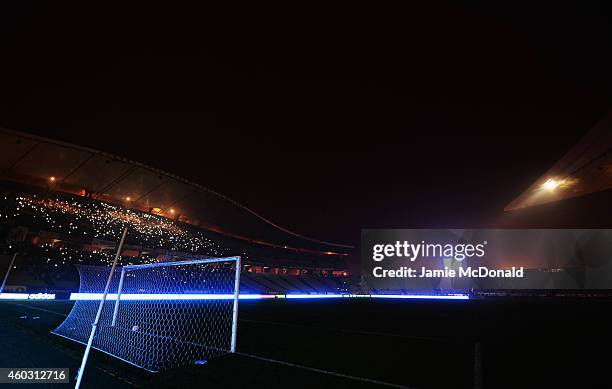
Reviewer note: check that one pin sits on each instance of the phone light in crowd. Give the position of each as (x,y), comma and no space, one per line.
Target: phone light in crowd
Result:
(128,198)
(171,210)
(52,179)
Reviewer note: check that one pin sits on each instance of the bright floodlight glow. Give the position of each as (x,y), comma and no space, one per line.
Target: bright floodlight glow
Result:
(51,178)
(551,184)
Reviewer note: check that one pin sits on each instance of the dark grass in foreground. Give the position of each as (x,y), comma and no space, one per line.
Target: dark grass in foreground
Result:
(423,344)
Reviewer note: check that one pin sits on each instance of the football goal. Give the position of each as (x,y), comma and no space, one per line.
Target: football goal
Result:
(158,316)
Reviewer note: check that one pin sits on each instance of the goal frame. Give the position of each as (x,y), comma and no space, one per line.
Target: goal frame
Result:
(192,262)
(103,299)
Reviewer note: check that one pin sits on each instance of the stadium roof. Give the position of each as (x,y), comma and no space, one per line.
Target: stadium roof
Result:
(43,162)
(586,168)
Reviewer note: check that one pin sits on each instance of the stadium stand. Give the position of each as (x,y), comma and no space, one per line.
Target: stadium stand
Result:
(62,205)
(53,231)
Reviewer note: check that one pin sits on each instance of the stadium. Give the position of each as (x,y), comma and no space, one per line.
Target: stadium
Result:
(64,208)
(351,203)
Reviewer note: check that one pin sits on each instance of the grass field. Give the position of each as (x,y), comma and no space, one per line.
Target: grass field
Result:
(353,343)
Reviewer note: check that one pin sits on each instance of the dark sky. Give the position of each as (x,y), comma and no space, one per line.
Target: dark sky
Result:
(323,120)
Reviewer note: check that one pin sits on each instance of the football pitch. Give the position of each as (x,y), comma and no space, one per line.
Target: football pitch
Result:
(340,343)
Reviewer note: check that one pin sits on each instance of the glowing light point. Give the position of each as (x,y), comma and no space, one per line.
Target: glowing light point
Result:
(52,178)
(551,184)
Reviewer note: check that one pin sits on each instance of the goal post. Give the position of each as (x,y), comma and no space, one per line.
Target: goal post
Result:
(119,288)
(161,315)
(235,307)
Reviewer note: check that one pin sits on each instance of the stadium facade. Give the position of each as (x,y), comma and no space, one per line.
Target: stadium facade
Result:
(574,195)
(64,205)
(584,170)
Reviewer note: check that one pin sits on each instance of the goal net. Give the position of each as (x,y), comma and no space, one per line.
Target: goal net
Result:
(161,315)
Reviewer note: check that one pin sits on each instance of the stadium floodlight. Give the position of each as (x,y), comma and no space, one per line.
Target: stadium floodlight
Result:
(158,334)
(551,184)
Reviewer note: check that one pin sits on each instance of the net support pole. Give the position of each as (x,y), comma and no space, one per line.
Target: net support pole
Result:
(118,297)
(236,297)
(97,319)
(7,273)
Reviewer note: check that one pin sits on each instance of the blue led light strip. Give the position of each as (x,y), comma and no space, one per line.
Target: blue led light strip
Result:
(177,297)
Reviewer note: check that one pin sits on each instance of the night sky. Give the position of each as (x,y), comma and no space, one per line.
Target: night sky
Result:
(324,120)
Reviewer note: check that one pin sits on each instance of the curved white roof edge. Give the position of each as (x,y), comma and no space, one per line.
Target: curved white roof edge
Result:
(42,139)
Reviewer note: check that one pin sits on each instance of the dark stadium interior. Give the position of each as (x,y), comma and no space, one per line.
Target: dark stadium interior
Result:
(278,134)
(335,114)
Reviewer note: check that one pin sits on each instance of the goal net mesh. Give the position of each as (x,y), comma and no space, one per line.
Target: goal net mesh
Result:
(158,316)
